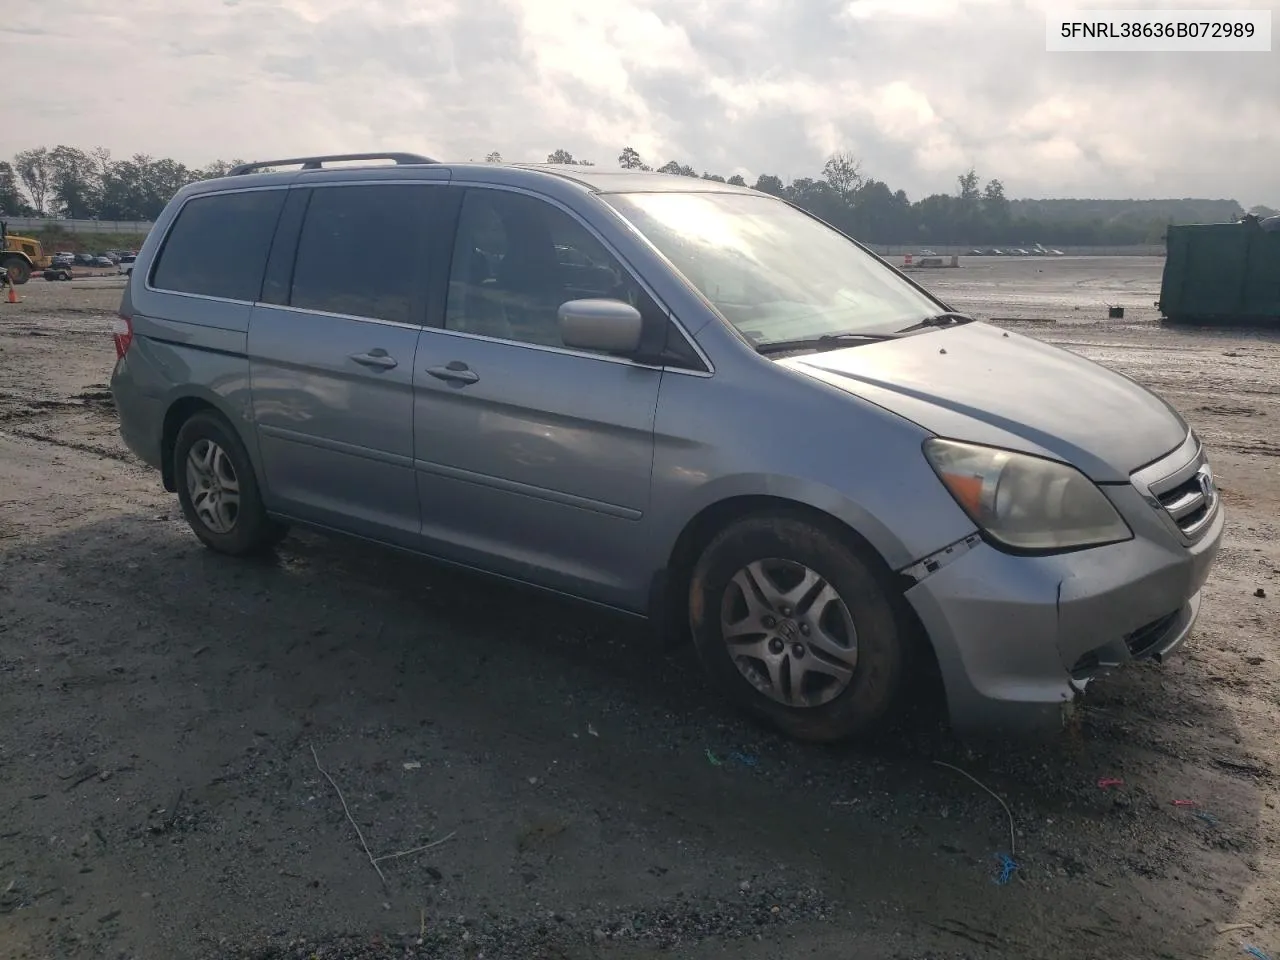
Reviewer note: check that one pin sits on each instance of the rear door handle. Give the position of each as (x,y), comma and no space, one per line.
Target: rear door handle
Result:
(375,358)
(455,371)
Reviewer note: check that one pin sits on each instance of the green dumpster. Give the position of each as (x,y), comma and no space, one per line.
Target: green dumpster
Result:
(1222,273)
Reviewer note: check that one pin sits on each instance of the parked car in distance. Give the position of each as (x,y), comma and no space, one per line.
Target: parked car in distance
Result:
(103,262)
(125,266)
(84,259)
(677,398)
(58,273)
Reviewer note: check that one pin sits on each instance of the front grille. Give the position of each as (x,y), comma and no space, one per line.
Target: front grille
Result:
(1187,494)
(1143,640)
(1187,504)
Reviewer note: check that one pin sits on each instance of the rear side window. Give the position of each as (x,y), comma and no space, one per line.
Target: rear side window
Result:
(218,245)
(361,251)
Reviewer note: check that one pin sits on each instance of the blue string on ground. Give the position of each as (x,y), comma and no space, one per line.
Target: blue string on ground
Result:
(1007,867)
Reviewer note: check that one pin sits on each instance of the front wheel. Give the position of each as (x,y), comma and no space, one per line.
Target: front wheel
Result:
(795,625)
(218,489)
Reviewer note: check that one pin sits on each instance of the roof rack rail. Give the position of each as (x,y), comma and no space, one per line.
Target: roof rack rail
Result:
(315,163)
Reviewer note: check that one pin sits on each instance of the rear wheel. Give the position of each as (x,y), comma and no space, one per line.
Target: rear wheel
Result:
(218,489)
(795,625)
(19,270)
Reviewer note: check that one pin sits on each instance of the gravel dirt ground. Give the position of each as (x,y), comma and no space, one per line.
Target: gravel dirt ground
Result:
(164,714)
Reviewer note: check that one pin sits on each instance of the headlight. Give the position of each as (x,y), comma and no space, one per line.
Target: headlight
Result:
(1025,502)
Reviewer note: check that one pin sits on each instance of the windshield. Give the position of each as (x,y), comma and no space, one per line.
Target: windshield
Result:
(772,271)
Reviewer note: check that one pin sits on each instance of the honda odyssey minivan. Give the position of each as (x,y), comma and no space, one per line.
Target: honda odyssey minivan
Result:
(678,398)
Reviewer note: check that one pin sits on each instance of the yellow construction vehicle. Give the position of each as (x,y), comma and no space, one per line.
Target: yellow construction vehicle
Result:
(21,255)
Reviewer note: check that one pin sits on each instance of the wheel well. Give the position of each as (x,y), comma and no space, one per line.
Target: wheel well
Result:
(671,602)
(18,264)
(179,413)
(710,521)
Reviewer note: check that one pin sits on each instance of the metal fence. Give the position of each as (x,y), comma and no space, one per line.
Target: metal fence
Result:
(20,224)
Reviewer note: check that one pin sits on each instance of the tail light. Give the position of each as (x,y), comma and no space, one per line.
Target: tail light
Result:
(122,334)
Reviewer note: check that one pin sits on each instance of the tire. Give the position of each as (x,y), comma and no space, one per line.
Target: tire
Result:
(19,269)
(210,465)
(851,653)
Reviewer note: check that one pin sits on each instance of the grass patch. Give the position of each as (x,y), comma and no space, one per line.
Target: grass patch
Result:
(55,240)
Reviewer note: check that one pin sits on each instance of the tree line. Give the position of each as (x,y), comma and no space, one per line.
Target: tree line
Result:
(68,182)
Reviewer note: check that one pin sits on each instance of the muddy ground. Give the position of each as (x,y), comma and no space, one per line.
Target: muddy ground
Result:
(160,705)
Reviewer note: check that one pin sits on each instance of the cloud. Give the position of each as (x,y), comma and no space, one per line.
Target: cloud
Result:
(919,89)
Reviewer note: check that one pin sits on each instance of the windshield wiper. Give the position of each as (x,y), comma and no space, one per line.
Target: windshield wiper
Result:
(827,341)
(946,319)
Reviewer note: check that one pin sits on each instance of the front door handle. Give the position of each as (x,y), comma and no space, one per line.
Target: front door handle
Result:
(376,357)
(455,371)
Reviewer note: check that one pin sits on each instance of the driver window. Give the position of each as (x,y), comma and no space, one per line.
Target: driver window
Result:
(516,259)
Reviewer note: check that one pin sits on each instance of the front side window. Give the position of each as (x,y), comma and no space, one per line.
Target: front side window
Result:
(218,245)
(360,251)
(516,259)
(772,271)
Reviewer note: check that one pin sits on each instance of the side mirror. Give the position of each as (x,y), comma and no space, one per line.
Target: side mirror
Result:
(607,326)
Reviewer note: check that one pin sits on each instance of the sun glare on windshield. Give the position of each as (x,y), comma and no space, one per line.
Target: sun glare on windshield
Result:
(771,270)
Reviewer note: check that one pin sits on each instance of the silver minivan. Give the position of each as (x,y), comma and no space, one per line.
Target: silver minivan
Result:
(677,398)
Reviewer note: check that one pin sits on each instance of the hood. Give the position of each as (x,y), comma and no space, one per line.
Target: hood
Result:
(981,384)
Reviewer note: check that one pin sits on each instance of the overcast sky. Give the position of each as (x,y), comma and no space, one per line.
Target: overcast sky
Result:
(919,89)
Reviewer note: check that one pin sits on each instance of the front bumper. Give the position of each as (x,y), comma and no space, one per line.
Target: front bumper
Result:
(1017,638)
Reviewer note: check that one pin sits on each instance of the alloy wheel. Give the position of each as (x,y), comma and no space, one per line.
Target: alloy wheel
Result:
(789,632)
(213,486)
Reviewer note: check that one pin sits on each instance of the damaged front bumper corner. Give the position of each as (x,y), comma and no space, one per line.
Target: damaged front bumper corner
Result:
(1018,639)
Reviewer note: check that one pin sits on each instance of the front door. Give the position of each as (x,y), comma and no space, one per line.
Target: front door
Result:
(332,359)
(533,460)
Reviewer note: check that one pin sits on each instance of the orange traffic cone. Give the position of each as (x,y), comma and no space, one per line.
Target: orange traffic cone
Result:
(13,293)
